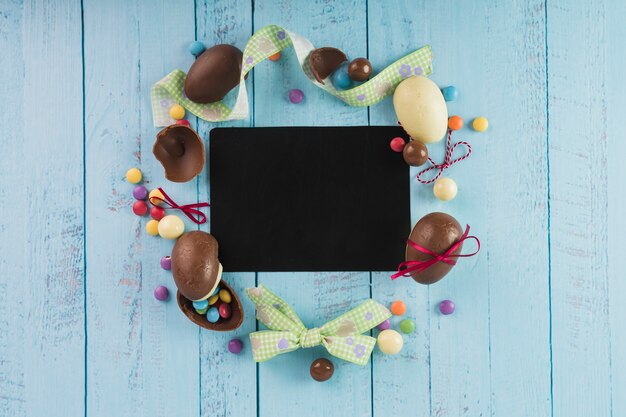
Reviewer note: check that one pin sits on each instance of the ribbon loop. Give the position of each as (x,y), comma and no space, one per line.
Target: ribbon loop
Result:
(190,210)
(447,161)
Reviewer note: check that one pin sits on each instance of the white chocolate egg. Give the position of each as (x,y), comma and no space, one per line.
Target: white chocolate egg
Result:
(390,342)
(421,109)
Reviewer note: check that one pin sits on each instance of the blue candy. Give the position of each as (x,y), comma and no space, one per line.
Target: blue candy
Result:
(213,315)
(340,78)
(196,48)
(200,305)
(215,292)
(450,93)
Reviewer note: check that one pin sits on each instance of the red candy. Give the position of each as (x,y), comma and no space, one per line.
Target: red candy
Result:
(182,122)
(397,144)
(140,208)
(157,212)
(224,310)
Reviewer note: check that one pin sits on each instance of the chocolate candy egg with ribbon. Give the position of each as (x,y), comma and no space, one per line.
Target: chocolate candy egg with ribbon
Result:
(421,109)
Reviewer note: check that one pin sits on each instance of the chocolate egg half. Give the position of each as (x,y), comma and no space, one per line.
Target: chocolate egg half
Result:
(216,71)
(223,325)
(436,232)
(181,152)
(324,61)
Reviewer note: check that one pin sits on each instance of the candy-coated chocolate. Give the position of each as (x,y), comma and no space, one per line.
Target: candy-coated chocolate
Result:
(140,208)
(212,315)
(340,78)
(415,153)
(171,227)
(203,311)
(157,213)
(183,122)
(445,189)
(480,124)
(177,112)
(398,308)
(196,48)
(152,227)
(166,263)
(224,310)
(213,299)
(450,93)
(296,95)
(195,267)
(360,69)
(235,346)
(384,325)
(216,291)
(447,307)
(421,109)
(436,232)
(134,175)
(390,342)
(214,73)
(397,144)
(407,326)
(322,369)
(224,296)
(161,293)
(140,192)
(324,61)
(455,122)
(200,305)
(181,152)
(275,57)
(158,194)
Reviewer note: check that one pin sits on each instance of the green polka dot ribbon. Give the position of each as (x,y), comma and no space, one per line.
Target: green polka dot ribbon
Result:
(265,43)
(341,337)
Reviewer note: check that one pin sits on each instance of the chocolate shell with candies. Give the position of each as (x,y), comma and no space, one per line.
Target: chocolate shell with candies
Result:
(197,273)
(324,61)
(436,232)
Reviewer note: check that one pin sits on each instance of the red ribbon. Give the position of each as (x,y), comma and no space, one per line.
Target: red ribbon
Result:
(405,268)
(189,209)
(447,162)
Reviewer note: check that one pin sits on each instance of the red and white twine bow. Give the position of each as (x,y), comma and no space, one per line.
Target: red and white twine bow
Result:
(190,210)
(447,162)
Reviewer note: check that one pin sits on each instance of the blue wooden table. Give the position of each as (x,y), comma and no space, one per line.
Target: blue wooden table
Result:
(539,327)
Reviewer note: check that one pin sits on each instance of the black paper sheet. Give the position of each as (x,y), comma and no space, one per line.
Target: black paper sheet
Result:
(308,198)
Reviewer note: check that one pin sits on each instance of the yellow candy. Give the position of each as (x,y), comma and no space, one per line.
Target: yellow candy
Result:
(171,227)
(155,193)
(213,299)
(390,342)
(152,227)
(133,175)
(480,124)
(177,112)
(225,296)
(445,189)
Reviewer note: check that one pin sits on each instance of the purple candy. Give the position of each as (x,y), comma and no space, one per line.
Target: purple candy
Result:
(166,263)
(140,192)
(296,96)
(446,307)
(161,293)
(235,346)
(384,325)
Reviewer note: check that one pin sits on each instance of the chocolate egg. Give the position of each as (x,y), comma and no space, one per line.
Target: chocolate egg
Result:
(181,152)
(216,71)
(360,69)
(415,153)
(324,61)
(436,232)
(223,324)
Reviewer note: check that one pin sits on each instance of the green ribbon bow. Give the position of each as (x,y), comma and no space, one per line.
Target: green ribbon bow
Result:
(341,337)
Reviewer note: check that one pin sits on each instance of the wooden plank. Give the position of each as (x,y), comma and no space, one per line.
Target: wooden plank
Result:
(578,146)
(42,342)
(285,387)
(228,383)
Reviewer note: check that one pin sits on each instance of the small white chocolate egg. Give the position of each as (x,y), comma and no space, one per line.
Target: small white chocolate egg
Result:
(390,342)
(445,189)
(421,109)
(171,227)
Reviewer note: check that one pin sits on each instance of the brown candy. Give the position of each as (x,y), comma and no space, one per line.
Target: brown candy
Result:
(415,153)
(360,69)
(324,61)
(181,152)
(436,232)
(214,74)
(322,369)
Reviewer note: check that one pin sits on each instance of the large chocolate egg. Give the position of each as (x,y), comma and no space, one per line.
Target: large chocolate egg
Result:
(436,232)
(216,71)
(181,152)
(195,267)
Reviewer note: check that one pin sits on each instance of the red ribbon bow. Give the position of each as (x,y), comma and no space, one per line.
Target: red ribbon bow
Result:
(189,209)
(405,268)
(447,162)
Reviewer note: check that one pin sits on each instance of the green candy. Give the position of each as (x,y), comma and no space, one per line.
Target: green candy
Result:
(407,326)
(203,311)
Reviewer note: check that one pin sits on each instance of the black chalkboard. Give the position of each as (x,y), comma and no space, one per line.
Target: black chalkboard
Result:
(308,198)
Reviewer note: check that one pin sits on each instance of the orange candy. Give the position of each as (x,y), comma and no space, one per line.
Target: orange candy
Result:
(455,122)
(398,308)
(275,57)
